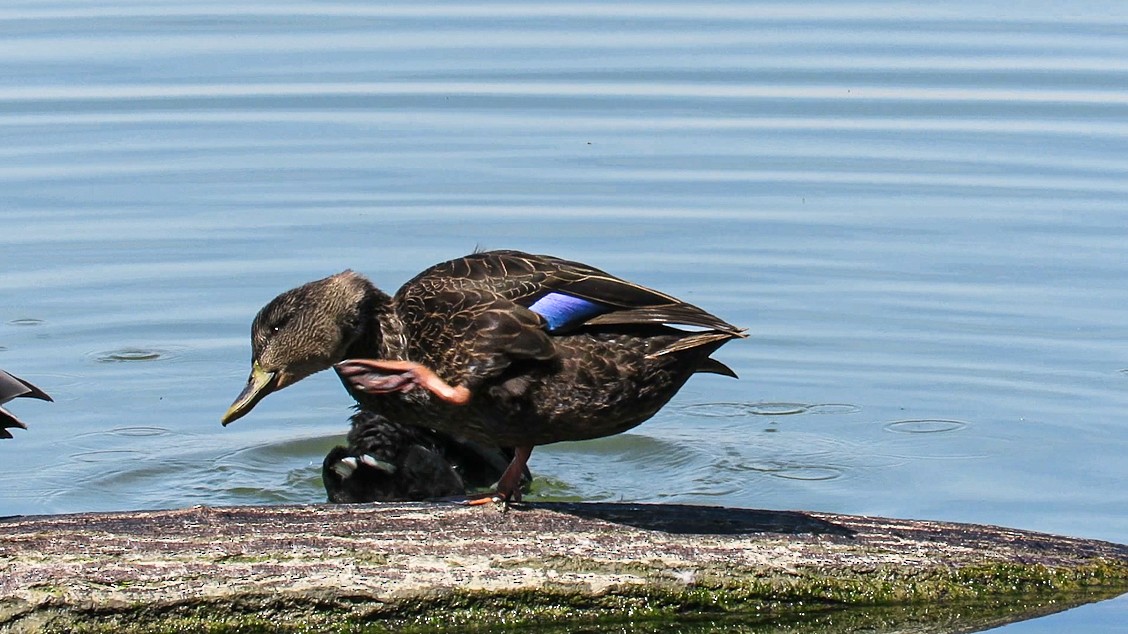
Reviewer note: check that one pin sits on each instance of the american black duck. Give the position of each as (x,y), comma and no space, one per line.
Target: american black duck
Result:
(387,462)
(501,347)
(14,387)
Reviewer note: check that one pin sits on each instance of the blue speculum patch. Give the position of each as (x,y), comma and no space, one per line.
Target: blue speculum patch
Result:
(564,311)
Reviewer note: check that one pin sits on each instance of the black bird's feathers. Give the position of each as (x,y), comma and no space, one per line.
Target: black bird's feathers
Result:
(14,387)
(387,462)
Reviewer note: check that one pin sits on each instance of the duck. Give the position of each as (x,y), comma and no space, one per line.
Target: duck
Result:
(11,387)
(503,348)
(385,461)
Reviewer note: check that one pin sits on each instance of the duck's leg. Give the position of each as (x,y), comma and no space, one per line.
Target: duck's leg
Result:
(383,376)
(509,486)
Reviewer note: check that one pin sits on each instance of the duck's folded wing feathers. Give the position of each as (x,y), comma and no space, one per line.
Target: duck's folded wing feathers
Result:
(610,300)
(472,334)
(683,315)
(513,301)
(567,294)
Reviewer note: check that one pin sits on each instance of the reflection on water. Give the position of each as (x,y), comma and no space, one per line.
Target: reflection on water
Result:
(917,211)
(932,619)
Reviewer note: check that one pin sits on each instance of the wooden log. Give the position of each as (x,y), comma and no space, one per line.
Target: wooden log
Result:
(436,566)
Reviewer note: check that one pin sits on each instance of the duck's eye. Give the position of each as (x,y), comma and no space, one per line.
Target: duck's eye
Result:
(279,324)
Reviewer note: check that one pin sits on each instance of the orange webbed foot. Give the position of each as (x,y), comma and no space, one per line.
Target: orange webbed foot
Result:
(384,376)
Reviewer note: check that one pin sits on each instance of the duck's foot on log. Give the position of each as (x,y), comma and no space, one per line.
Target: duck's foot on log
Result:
(509,486)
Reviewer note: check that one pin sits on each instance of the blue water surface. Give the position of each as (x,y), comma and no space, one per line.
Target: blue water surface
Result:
(917,210)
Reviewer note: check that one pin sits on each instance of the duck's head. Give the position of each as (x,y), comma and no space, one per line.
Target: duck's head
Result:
(303,331)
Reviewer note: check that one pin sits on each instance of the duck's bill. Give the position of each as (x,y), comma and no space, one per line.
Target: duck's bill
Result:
(259,384)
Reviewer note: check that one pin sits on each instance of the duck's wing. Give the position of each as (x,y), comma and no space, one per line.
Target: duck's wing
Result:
(468,333)
(471,318)
(574,294)
(566,294)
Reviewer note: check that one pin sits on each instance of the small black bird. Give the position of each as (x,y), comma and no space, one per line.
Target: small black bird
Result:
(502,347)
(388,462)
(14,387)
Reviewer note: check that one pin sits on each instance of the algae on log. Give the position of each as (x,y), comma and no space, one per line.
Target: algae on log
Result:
(435,566)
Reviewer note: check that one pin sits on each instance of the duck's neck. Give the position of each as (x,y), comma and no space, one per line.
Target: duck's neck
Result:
(378,329)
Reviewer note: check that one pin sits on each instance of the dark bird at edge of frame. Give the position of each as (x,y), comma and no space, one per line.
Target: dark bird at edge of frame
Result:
(500,347)
(14,387)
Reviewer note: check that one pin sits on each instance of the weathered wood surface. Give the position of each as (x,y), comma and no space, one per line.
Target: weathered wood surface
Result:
(323,566)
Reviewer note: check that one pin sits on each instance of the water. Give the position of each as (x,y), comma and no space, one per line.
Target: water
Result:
(917,211)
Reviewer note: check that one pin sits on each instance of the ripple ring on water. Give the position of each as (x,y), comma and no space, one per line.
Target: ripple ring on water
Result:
(811,473)
(799,471)
(925,426)
(834,408)
(717,410)
(765,408)
(777,409)
(107,455)
(123,355)
(139,431)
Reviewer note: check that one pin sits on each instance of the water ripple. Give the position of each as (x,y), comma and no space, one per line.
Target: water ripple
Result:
(797,471)
(763,408)
(622,89)
(776,409)
(128,432)
(925,426)
(717,410)
(108,455)
(131,354)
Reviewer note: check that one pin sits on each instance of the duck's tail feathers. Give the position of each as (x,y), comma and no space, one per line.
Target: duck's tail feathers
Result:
(677,315)
(712,366)
(704,341)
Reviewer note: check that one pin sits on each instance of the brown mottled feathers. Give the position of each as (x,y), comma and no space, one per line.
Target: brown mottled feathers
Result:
(469,318)
(521,278)
(545,349)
